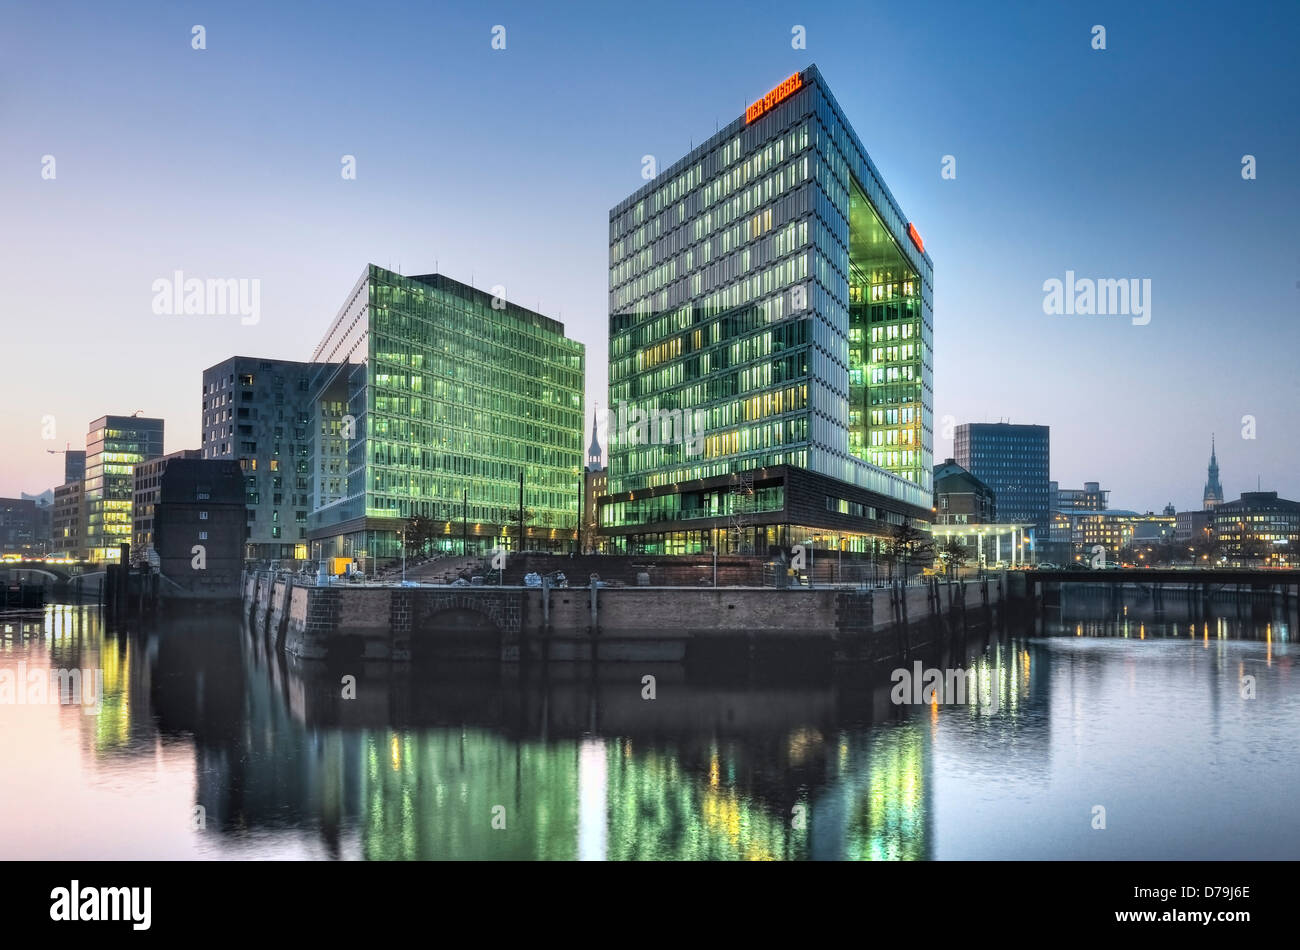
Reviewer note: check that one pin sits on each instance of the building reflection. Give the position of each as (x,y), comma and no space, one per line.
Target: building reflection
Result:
(493,763)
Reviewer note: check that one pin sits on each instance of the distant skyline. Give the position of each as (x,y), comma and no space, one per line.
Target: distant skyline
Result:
(499,167)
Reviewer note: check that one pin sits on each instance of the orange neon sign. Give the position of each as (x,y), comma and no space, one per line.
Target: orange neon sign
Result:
(915,235)
(775,97)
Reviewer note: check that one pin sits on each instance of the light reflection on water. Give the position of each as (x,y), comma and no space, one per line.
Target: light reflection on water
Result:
(1145,718)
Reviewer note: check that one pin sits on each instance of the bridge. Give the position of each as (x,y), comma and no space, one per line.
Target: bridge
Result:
(59,573)
(1246,577)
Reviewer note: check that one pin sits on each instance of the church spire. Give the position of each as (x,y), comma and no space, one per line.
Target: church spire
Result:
(594,453)
(1213,494)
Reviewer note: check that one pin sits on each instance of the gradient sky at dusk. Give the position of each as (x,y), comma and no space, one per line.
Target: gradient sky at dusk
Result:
(500,167)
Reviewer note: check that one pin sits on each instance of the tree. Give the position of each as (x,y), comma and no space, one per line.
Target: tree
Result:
(1165,552)
(1205,550)
(419,534)
(907,544)
(953,554)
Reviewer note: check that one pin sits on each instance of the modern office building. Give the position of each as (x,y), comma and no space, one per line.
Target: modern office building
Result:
(114,446)
(771,329)
(74,465)
(1013,460)
(260,412)
(69,521)
(433,398)
(198,526)
(960,497)
(1212,496)
(148,478)
(1258,527)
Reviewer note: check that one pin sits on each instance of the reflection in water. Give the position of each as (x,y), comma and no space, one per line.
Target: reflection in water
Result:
(209,746)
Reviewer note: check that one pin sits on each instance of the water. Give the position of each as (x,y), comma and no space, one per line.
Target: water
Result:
(205,747)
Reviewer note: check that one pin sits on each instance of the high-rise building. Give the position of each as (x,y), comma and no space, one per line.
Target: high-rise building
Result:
(771,328)
(114,446)
(426,389)
(1015,461)
(1213,494)
(260,412)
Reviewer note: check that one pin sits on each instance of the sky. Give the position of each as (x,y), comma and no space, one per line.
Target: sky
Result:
(499,167)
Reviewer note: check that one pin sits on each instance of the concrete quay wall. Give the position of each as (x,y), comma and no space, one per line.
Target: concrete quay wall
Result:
(581,623)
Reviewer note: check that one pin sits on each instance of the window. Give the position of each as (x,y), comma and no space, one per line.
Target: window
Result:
(203,536)
(203,516)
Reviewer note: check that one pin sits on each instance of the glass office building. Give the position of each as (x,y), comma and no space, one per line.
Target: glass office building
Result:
(771,334)
(114,445)
(431,398)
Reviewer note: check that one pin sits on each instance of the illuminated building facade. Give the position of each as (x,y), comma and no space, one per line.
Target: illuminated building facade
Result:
(260,413)
(1259,527)
(431,398)
(771,311)
(114,446)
